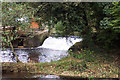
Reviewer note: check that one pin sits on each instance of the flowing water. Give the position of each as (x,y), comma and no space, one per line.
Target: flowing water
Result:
(33,55)
(53,49)
(60,43)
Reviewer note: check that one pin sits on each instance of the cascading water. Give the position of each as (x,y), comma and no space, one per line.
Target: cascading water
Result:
(60,43)
(56,48)
(53,49)
(7,56)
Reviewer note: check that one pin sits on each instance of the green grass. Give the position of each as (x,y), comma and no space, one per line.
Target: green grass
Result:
(84,63)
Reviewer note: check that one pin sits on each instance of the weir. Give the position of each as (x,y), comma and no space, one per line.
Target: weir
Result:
(60,43)
(52,49)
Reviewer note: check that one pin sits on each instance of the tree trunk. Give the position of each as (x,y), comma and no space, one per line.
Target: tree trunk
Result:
(87,36)
(13,50)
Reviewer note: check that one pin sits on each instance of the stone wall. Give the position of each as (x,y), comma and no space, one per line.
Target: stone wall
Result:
(35,41)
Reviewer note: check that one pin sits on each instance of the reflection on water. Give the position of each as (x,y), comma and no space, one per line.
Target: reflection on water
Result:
(28,76)
(30,79)
(58,79)
(34,79)
(17,75)
(44,79)
(53,49)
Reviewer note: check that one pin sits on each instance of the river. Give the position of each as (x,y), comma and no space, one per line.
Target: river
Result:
(28,76)
(52,49)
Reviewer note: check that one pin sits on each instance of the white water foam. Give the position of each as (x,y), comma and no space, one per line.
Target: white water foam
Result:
(8,56)
(60,43)
(53,49)
(46,76)
(48,55)
(22,56)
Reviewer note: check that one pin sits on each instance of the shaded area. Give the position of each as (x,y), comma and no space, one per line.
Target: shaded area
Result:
(28,76)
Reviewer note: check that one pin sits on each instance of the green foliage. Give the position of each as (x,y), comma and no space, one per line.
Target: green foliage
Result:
(11,13)
(68,18)
(105,23)
(59,28)
(84,18)
(86,54)
(107,38)
(111,20)
(115,12)
(109,30)
(72,65)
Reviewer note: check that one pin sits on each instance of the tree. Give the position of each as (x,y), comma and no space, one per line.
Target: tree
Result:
(11,15)
(88,19)
(92,20)
(68,18)
(109,27)
(114,11)
(71,17)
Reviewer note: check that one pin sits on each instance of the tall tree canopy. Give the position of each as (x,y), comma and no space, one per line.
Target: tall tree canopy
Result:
(18,17)
(92,21)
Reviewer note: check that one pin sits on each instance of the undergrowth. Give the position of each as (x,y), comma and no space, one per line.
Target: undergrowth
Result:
(84,63)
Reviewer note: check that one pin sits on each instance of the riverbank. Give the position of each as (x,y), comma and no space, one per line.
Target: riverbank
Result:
(80,64)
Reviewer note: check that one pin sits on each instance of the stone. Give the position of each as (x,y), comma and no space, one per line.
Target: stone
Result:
(35,41)
(77,46)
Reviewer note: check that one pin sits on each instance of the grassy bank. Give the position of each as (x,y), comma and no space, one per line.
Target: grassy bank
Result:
(84,63)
